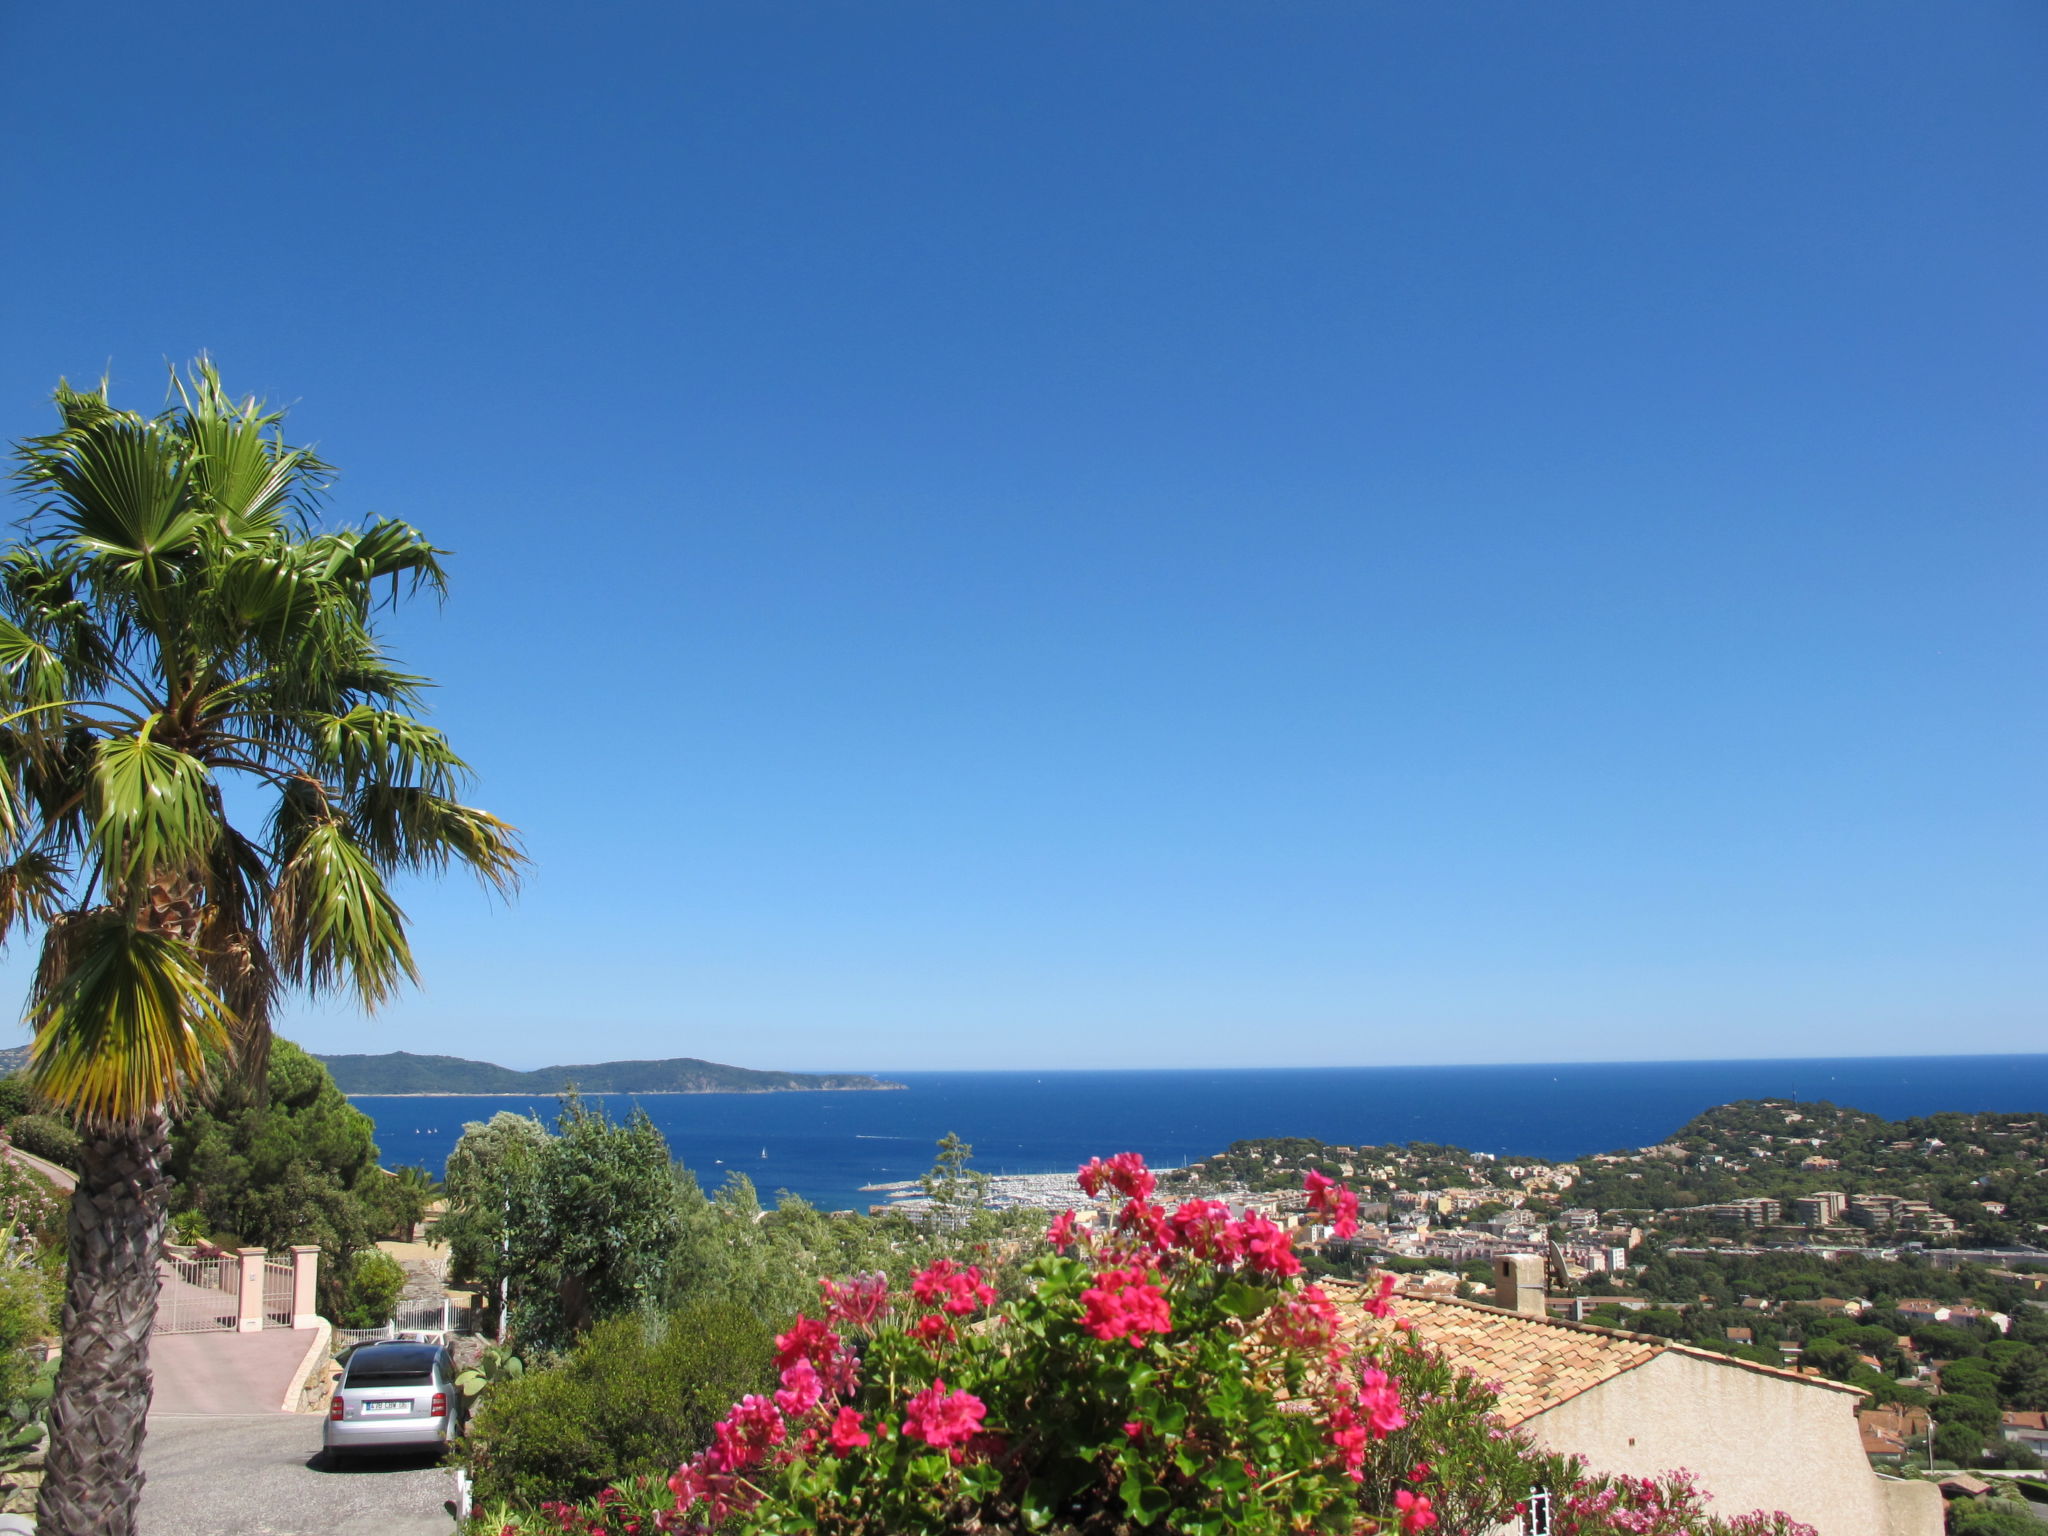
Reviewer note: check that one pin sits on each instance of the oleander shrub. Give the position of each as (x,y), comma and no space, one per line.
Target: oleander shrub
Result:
(635,1395)
(49,1138)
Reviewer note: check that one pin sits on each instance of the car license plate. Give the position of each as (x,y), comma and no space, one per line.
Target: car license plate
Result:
(401,1405)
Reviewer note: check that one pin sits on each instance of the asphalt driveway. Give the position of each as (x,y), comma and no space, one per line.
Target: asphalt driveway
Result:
(265,1476)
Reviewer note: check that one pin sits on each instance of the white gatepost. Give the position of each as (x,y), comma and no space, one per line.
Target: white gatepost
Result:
(305,1277)
(249,1291)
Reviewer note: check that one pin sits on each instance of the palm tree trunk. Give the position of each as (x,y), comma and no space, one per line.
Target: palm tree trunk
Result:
(93,1479)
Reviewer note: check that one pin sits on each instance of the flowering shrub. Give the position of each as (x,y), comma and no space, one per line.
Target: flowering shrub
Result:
(1671,1505)
(1164,1368)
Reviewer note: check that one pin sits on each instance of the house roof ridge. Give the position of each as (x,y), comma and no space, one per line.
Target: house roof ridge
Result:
(1649,1340)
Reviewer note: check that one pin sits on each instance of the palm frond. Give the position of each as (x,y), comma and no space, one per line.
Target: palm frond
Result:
(32,890)
(405,827)
(384,549)
(125,1021)
(386,746)
(118,492)
(333,923)
(244,479)
(151,807)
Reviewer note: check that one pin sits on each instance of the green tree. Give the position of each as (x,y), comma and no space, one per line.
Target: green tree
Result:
(591,1227)
(172,626)
(490,1160)
(956,1190)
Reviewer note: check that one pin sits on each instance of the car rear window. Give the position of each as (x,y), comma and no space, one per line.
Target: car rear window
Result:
(391,1368)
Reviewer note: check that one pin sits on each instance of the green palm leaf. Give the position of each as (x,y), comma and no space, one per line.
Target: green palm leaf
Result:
(152,809)
(332,921)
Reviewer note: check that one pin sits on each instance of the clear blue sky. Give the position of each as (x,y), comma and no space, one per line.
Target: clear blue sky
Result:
(1069,534)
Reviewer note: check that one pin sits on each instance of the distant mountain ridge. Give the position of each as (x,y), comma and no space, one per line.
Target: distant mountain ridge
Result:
(401,1072)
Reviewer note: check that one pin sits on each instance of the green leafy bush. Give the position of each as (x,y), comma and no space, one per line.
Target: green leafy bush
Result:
(49,1138)
(635,1396)
(365,1294)
(15,1099)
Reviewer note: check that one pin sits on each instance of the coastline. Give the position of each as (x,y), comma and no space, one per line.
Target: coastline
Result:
(597,1093)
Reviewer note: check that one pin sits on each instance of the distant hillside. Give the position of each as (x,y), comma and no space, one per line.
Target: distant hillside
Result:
(402,1072)
(13,1059)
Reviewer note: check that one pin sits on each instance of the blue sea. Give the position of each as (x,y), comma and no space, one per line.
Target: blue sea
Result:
(825,1146)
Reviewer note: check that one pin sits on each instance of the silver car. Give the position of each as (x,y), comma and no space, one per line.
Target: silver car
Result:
(397,1396)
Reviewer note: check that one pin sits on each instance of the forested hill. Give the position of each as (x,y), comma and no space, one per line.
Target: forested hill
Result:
(400,1072)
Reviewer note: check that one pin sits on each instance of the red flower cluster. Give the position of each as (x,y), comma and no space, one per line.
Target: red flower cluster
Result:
(1126,1173)
(1416,1515)
(1125,1303)
(951,1288)
(941,1418)
(860,1302)
(1306,1321)
(1326,1197)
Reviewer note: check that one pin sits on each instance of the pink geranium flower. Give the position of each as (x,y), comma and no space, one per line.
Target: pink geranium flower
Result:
(1126,1173)
(1125,1304)
(941,1418)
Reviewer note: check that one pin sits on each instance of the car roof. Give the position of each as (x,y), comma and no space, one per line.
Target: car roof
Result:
(396,1355)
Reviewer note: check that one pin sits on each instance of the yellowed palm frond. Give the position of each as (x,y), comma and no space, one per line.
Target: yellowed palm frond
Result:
(125,1020)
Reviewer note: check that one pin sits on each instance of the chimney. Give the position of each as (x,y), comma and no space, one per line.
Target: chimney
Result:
(1518,1284)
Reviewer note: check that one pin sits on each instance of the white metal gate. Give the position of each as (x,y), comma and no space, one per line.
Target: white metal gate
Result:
(278,1286)
(198,1295)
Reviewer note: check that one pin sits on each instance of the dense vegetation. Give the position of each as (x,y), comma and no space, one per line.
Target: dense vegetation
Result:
(1984,1170)
(403,1072)
(294,1164)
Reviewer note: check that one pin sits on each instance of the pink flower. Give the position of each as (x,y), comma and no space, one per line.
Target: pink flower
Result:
(856,1303)
(1380,1398)
(1306,1321)
(1125,1303)
(847,1434)
(1379,1303)
(801,1390)
(1064,1232)
(1416,1515)
(1204,1228)
(1133,1428)
(1126,1173)
(1143,1216)
(1326,1197)
(951,1288)
(1267,1249)
(941,1418)
(933,1329)
(748,1433)
(807,1339)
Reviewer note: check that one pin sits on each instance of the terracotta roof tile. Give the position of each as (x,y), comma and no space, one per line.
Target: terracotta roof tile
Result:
(1538,1362)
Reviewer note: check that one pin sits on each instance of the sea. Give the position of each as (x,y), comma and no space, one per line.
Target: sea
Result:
(826,1146)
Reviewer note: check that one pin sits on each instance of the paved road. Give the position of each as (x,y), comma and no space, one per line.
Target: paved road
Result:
(265,1476)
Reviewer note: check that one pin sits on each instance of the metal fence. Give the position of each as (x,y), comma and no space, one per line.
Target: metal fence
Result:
(278,1287)
(444,1317)
(198,1295)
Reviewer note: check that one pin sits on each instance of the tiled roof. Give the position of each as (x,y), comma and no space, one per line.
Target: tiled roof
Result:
(1538,1362)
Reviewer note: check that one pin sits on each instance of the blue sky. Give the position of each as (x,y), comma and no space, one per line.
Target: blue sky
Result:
(1091,535)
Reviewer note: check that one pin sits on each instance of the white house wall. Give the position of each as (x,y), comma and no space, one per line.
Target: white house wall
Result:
(1754,1441)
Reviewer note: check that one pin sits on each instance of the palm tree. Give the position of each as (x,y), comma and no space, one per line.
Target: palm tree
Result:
(173,631)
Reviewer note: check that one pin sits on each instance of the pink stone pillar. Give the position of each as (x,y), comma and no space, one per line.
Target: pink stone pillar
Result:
(250,1311)
(305,1277)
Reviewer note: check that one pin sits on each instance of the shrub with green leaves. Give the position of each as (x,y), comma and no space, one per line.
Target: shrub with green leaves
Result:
(365,1294)
(49,1138)
(636,1395)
